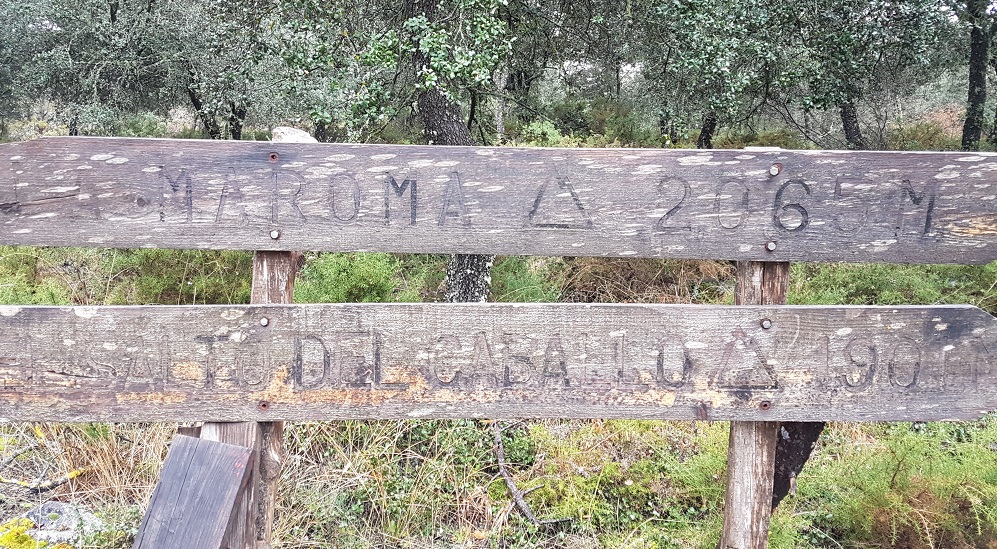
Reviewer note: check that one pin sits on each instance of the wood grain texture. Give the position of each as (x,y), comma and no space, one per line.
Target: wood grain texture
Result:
(195,496)
(748,500)
(251,526)
(751,454)
(897,207)
(496,360)
(241,531)
(273,284)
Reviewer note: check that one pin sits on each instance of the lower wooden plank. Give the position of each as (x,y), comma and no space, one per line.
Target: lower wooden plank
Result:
(195,496)
(303,362)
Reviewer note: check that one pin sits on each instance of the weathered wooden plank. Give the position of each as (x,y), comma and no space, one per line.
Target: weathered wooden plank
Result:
(496,360)
(777,205)
(241,530)
(195,496)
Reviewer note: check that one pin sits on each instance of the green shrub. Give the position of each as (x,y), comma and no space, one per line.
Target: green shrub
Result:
(526,279)
(908,485)
(178,277)
(541,133)
(347,278)
(572,117)
(922,136)
(144,124)
(22,279)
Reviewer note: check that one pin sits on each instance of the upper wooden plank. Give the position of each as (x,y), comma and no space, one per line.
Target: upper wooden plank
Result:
(746,205)
(305,362)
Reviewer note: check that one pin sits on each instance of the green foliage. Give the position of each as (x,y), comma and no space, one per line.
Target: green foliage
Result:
(369,278)
(541,133)
(783,138)
(828,284)
(923,136)
(90,276)
(912,485)
(347,278)
(526,279)
(145,124)
(847,45)
(120,528)
(23,280)
(461,51)
(179,277)
(415,479)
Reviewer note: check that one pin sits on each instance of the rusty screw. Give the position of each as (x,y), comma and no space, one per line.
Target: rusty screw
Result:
(776,169)
(764,405)
(273,157)
(275,234)
(770,245)
(766,323)
(263,406)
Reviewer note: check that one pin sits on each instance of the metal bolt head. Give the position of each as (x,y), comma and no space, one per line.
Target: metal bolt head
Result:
(775,169)
(764,405)
(766,323)
(264,321)
(770,245)
(275,234)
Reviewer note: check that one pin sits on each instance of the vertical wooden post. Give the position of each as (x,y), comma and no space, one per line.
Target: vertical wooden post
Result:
(252,522)
(751,456)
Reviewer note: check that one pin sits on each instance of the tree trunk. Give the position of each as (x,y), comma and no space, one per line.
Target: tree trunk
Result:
(210,124)
(236,119)
(705,140)
(468,276)
(850,123)
(979,50)
(321,132)
(441,120)
(501,79)
(992,137)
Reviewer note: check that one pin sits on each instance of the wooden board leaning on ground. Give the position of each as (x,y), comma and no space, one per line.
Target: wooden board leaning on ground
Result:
(766,205)
(307,362)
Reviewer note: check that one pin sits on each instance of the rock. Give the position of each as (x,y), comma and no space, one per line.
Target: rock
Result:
(57,522)
(284,134)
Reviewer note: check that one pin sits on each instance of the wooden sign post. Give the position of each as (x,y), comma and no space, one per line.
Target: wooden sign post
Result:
(252,522)
(752,448)
(757,363)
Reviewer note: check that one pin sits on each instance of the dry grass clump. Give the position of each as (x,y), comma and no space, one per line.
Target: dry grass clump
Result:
(387,484)
(110,469)
(621,280)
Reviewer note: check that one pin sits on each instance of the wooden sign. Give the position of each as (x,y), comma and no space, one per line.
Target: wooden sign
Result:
(773,205)
(310,362)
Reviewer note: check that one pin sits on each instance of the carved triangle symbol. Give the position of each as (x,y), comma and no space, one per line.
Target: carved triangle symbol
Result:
(558,206)
(743,366)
